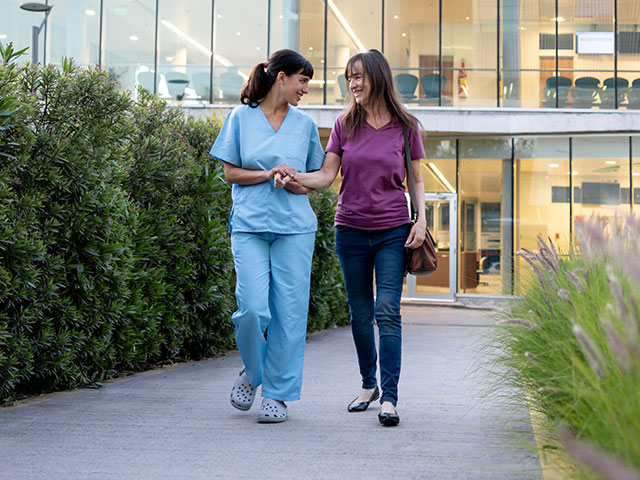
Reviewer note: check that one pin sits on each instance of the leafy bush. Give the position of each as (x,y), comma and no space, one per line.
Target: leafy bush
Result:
(114,251)
(573,340)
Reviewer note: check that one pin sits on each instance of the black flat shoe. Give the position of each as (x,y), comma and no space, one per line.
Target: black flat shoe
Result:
(362,406)
(389,419)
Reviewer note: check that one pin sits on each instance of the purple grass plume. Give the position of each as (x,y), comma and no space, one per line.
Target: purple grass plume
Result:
(591,353)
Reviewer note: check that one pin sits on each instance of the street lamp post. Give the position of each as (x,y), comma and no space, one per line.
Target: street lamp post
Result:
(35,31)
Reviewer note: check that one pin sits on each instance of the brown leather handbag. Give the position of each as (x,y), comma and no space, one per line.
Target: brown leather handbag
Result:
(421,261)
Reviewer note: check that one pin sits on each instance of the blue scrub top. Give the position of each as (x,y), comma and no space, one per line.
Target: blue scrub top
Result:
(247,140)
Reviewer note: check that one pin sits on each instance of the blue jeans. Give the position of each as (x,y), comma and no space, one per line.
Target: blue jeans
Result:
(363,253)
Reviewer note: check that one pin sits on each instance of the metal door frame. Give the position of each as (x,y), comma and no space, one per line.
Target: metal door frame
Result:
(411,293)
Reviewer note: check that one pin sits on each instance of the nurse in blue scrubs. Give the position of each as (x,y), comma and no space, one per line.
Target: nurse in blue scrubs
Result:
(262,144)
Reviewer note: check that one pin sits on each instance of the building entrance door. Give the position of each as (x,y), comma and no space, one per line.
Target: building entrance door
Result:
(442,221)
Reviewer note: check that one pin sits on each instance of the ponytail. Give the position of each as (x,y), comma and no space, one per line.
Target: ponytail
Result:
(263,75)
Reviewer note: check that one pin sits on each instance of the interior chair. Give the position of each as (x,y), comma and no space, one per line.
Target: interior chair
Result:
(563,85)
(406,84)
(585,91)
(201,82)
(231,84)
(608,92)
(145,80)
(430,85)
(633,94)
(176,83)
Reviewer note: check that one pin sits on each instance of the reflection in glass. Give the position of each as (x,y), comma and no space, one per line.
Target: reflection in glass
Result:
(527,45)
(628,54)
(469,37)
(601,176)
(15,27)
(485,216)
(128,43)
(588,63)
(411,46)
(73,31)
(542,197)
(353,26)
(439,166)
(184,50)
(635,174)
(299,25)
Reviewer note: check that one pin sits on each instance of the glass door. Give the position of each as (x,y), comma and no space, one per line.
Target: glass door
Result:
(442,221)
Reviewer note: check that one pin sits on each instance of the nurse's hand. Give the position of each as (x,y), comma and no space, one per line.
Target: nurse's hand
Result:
(284,170)
(280,181)
(416,235)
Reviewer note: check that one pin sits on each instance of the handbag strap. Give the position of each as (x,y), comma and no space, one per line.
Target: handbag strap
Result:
(410,182)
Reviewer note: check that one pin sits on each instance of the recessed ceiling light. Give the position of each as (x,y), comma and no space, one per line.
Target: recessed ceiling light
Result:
(257,48)
(169,59)
(635,174)
(574,173)
(280,17)
(395,17)
(554,165)
(3,36)
(467,18)
(311,49)
(238,33)
(610,162)
(404,34)
(91,13)
(523,28)
(219,16)
(557,19)
(133,38)
(321,61)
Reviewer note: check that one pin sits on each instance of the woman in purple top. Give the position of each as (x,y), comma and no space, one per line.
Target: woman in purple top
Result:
(372,221)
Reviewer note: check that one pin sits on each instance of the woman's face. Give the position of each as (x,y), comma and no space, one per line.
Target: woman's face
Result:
(294,87)
(359,84)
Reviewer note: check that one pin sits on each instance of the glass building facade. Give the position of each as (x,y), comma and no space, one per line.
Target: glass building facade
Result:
(488,195)
(484,53)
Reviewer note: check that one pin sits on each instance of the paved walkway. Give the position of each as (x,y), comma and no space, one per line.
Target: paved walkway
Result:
(176,423)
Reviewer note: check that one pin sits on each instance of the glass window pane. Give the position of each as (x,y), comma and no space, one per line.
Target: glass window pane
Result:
(128,42)
(588,63)
(15,27)
(635,175)
(240,42)
(629,53)
(184,49)
(299,25)
(469,56)
(352,26)
(541,197)
(600,176)
(73,31)
(484,222)
(528,55)
(439,166)
(411,46)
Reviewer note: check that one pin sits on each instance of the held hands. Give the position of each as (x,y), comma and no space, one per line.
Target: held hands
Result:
(283,175)
(417,234)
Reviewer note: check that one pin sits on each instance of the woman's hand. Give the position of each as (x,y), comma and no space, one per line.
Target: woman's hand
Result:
(417,234)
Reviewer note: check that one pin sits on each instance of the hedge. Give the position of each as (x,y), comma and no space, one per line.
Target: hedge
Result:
(114,249)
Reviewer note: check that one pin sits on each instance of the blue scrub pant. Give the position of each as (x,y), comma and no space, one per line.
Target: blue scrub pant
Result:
(272,290)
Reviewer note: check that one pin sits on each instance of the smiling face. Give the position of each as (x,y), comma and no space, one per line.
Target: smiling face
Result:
(359,84)
(294,86)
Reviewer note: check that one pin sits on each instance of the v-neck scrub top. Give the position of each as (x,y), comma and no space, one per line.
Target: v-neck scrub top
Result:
(247,140)
(372,194)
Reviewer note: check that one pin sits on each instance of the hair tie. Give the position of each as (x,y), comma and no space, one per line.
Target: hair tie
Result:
(265,64)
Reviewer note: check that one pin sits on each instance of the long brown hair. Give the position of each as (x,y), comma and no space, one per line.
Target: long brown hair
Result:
(263,75)
(375,67)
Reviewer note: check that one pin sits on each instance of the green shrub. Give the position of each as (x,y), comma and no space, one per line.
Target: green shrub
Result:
(572,340)
(114,250)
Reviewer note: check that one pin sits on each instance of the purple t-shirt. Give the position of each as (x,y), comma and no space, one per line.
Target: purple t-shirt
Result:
(372,195)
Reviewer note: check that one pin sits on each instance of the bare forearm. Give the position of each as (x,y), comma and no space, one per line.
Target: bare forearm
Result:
(243,176)
(315,180)
(295,187)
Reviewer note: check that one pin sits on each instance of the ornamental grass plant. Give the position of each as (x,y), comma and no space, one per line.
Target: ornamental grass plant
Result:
(573,339)
(114,244)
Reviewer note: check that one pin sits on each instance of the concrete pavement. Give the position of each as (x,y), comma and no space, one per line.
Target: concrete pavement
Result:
(176,423)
